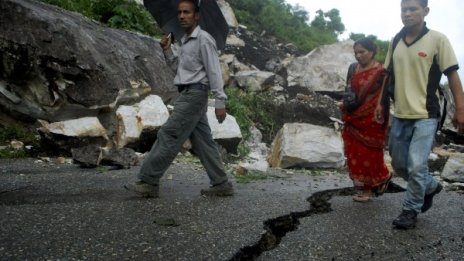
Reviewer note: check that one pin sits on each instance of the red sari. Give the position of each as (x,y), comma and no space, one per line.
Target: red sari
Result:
(363,137)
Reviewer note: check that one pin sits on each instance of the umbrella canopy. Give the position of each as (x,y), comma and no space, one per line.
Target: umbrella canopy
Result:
(211,18)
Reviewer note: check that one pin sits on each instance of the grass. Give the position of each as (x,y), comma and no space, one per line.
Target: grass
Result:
(9,153)
(28,137)
(101,170)
(313,172)
(249,177)
(250,109)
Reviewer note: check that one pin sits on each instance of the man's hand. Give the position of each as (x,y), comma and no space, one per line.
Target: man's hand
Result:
(458,120)
(456,88)
(220,114)
(166,41)
(378,114)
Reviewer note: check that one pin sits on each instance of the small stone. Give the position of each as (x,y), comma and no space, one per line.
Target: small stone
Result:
(16,145)
(60,160)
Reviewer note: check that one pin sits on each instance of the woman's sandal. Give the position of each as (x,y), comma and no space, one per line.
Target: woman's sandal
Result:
(380,190)
(362,198)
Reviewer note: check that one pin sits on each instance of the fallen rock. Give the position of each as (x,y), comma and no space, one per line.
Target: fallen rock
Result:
(227,134)
(454,169)
(148,115)
(121,158)
(88,156)
(255,81)
(299,145)
(76,133)
(59,65)
(323,69)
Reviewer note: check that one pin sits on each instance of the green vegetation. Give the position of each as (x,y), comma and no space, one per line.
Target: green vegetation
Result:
(244,106)
(250,177)
(289,23)
(102,170)
(122,14)
(10,153)
(293,24)
(24,135)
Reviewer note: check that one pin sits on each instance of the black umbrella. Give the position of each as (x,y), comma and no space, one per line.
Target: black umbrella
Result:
(211,18)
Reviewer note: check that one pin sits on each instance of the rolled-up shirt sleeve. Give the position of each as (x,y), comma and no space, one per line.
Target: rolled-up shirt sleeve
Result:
(171,59)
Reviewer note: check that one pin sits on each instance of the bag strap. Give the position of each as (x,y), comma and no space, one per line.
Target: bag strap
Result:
(389,76)
(395,42)
(351,70)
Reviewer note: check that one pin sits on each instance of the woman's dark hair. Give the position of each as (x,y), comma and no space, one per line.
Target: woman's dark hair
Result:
(368,44)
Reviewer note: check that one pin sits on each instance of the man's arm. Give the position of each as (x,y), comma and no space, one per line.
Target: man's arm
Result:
(379,109)
(214,74)
(169,56)
(456,89)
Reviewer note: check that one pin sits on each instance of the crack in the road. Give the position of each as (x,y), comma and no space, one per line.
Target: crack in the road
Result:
(13,190)
(277,228)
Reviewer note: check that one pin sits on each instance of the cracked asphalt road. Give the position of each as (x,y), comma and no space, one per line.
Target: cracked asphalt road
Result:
(52,212)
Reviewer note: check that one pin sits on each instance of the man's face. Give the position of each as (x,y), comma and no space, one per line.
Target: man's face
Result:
(186,16)
(412,13)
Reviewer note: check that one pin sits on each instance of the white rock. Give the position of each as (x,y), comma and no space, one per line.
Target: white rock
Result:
(323,69)
(454,168)
(132,120)
(87,126)
(16,145)
(227,129)
(306,145)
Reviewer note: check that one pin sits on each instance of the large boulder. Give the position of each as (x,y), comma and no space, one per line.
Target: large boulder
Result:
(58,65)
(75,133)
(255,81)
(227,134)
(300,145)
(133,120)
(323,69)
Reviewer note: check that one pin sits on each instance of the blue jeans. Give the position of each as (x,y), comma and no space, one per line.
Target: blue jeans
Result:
(410,144)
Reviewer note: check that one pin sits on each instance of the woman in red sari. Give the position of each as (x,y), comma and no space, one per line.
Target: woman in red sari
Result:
(363,137)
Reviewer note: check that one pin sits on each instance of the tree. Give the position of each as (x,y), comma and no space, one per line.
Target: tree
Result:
(288,23)
(300,13)
(329,22)
(335,22)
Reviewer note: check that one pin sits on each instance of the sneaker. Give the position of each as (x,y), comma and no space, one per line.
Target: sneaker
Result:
(222,190)
(143,189)
(406,220)
(428,199)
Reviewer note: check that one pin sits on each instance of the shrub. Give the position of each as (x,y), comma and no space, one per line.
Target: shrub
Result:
(250,109)
(122,14)
(24,135)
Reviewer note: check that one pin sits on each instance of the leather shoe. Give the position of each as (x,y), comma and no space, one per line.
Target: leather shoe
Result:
(222,190)
(143,189)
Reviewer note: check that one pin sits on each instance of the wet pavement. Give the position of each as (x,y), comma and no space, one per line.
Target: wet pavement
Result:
(50,211)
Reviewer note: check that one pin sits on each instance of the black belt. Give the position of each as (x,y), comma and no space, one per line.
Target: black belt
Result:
(195,86)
